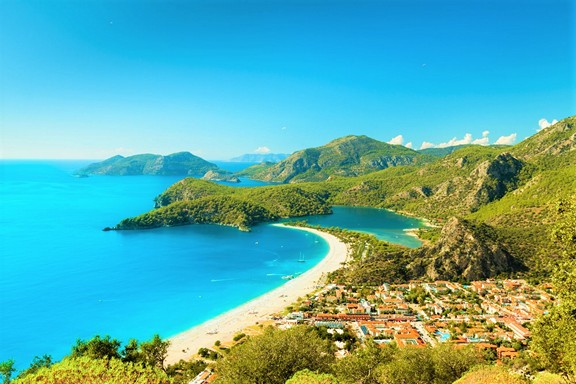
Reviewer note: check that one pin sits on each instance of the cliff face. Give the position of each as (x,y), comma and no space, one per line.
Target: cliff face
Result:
(459,184)
(464,251)
(493,179)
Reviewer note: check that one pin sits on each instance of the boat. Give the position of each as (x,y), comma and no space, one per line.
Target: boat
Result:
(301,259)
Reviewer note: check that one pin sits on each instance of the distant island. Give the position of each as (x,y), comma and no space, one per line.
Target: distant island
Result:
(260,158)
(176,164)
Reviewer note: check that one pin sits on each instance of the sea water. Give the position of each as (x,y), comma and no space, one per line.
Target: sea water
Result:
(63,278)
(382,223)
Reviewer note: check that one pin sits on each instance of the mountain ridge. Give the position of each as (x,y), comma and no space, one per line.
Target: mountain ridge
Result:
(346,156)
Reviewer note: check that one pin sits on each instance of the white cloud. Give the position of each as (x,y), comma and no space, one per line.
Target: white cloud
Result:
(398,140)
(543,123)
(262,150)
(408,145)
(426,145)
(485,140)
(467,139)
(506,140)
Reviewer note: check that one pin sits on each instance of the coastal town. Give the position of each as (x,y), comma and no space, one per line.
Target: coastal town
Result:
(419,313)
(491,315)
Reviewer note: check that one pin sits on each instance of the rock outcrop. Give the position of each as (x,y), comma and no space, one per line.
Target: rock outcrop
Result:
(465,251)
(221,176)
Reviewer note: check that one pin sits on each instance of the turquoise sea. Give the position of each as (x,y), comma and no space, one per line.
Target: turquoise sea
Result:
(63,278)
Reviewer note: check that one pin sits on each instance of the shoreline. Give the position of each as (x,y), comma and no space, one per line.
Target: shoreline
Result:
(260,309)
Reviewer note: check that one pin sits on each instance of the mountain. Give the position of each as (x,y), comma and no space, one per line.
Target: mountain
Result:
(513,190)
(495,204)
(181,163)
(346,156)
(260,158)
(465,251)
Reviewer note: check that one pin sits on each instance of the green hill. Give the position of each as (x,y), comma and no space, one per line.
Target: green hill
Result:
(193,201)
(503,197)
(346,156)
(181,163)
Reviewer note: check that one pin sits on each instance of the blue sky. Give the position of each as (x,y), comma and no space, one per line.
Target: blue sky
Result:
(219,78)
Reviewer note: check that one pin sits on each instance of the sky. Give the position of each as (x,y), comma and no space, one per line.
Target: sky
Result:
(220,78)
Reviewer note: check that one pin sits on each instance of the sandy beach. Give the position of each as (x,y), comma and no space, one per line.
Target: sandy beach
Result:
(260,309)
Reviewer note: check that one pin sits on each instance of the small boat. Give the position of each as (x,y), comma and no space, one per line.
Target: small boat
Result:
(301,259)
(212,332)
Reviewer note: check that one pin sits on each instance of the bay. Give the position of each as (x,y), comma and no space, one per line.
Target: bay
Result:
(63,278)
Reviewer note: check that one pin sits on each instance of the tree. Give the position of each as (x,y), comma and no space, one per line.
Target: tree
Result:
(553,333)
(440,365)
(360,367)
(274,356)
(86,370)
(6,370)
(451,363)
(410,366)
(307,377)
(97,348)
(38,363)
(131,352)
(154,352)
(184,371)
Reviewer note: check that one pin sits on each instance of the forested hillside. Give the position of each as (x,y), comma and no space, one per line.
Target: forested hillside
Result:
(503,197)
(346,156)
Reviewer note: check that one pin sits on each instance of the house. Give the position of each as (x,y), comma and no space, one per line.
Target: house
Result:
(505,352)
(204,377)
(408,338)
(520,332)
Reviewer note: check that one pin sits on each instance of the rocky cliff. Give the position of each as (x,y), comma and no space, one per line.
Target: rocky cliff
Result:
(465,251)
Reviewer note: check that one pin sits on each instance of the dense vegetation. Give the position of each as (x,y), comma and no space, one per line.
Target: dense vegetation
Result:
(274,356)
(102,360)
(192,201)
(553,337)
(299,356)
